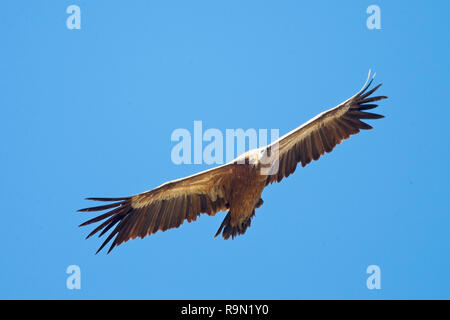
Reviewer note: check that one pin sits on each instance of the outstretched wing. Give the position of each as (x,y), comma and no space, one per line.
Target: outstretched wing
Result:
(164,207)
(322,133)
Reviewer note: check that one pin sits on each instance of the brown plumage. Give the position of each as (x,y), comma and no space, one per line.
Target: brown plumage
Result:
(236,186)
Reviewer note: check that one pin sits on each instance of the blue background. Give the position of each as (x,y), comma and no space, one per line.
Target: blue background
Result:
(90,112)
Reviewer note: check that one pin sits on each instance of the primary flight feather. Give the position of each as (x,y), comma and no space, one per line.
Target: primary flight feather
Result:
(235,186)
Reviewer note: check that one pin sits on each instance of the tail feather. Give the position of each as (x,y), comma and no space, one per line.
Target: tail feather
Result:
(228,230)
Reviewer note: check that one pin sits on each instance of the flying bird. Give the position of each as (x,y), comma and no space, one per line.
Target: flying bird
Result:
(237,186)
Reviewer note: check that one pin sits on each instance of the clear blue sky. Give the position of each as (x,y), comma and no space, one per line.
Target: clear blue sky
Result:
(90,112)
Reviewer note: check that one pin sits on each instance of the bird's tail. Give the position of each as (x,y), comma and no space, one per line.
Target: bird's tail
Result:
(233,231)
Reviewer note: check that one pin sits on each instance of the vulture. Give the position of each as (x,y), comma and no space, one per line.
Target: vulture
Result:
(236,186)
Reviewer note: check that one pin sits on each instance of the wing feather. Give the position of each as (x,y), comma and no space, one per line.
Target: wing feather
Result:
(322,133)
(162,208)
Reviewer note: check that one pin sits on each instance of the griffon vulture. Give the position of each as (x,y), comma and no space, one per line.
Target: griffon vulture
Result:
(237,185)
